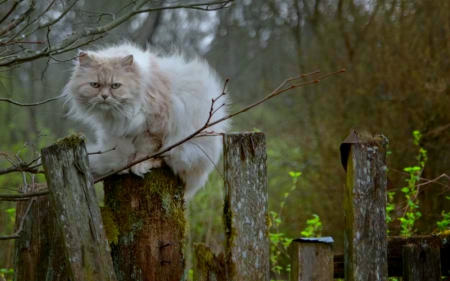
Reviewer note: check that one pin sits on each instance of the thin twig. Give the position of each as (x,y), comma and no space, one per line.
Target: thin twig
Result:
(29,104)
(206,154)
(25,195)
(19,230)
(202,7)
(101,152)
(14,6)
(20,42)
(19,20)
(74,41)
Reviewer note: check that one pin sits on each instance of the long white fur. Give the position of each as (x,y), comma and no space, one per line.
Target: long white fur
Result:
(162,99)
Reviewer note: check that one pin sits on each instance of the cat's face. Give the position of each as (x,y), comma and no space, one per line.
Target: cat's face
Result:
(106,84)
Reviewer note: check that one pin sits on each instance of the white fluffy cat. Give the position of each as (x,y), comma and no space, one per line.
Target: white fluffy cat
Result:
(140,102)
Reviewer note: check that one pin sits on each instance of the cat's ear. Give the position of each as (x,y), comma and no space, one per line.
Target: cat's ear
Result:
(84,59)
(127,61)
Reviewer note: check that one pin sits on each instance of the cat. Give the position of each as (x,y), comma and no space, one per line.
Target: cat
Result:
(139,102)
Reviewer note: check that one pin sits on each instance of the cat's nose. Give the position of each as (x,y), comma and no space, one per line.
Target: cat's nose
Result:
(104,96)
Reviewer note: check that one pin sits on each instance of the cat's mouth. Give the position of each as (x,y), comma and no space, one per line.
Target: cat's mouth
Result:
(103,105)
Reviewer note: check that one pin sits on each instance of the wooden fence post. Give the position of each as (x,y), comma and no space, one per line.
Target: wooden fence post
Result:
(78,216)
(312,259)
(246,208)
(365,238)
(421,262)
(38,249)
(145,224)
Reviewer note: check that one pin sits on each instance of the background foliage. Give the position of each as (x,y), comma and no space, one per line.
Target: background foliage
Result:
(397,56)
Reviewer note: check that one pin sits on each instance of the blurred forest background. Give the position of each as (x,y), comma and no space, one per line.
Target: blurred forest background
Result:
(397,57)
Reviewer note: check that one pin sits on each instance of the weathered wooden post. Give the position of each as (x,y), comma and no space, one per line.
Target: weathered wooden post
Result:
(365,239)
(312,259)
(245,216)
(421,262)
(78,217)
(246,207)
(38,249)
(145,224)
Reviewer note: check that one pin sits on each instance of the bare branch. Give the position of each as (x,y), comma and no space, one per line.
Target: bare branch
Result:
(208,124)
(29,104)
(19,20)
(49,23)
(88,35)
(202,7)
(19,230)
(20,42)
(102,152)
(14,6)
(18,197)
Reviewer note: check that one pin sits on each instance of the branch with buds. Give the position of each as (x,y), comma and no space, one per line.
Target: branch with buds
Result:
(201,132)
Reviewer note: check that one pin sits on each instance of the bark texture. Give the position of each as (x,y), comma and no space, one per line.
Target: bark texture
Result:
(365,238)
(145,225)
(39,247)
(78,216)
(421,262)
(246,207)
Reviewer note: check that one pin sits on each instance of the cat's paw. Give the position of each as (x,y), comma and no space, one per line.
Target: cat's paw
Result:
(143,168)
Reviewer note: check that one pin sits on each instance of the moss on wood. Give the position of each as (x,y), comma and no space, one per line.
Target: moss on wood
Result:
(71,141)
(148,215)
(111,229)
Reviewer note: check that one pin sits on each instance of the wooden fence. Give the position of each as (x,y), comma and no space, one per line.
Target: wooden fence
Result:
(139,234)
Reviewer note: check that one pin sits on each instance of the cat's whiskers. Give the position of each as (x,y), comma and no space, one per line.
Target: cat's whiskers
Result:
(118,108)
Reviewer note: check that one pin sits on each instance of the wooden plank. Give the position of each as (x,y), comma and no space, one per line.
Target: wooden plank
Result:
(395,256)
(245,208)
(421,262)
(311,261)
(365,238)
(146,225)
(38,250)
(78,215)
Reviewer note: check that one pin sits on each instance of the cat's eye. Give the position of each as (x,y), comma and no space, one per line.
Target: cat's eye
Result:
(116,85)
(95,85)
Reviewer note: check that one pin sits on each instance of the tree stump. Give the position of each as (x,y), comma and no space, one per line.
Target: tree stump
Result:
(145,224)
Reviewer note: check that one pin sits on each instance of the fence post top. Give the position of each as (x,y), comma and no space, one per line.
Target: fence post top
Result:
(357,137)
